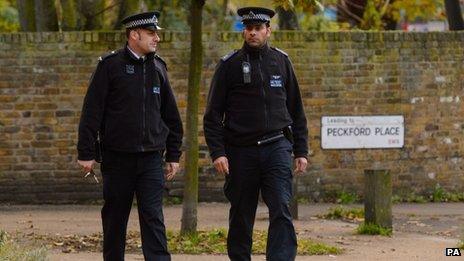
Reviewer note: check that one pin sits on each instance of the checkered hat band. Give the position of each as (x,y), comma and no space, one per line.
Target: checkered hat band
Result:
(261,17)
(136,23)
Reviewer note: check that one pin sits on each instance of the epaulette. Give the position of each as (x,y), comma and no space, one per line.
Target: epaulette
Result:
(227,56)
(103,57)
(280,51)
(161,60)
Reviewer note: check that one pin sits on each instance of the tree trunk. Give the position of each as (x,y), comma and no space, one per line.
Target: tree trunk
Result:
(225,4)
(454,15)
(69,15)
(126,8)
(45,16)
(294,201)
(91,15)
(287,19)
(190,200)
(26,15)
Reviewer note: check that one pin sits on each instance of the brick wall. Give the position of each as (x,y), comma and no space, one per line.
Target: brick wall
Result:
(43,77)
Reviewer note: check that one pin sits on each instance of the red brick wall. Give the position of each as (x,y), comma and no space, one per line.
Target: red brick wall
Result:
(43,77)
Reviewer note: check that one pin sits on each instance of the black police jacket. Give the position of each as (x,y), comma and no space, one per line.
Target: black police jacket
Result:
(240,113)
(131,103)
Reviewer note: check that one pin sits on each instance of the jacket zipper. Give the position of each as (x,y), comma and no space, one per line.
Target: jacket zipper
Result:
(263,87)
(143,106)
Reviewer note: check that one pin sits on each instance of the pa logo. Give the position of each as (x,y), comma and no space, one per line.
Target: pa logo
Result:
(453,251)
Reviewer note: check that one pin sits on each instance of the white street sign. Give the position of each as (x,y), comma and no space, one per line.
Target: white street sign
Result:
(362,132)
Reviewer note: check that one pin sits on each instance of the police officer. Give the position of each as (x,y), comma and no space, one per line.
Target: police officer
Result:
(253,122)
(130,108)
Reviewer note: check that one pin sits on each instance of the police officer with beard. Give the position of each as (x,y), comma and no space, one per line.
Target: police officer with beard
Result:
(253,122)
(130,112)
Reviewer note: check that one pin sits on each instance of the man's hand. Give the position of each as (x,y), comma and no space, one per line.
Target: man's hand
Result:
(171,170)
(300,165)
(86,165)
(222,165)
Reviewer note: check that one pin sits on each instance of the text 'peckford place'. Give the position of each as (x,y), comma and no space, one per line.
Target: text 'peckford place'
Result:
(362,132)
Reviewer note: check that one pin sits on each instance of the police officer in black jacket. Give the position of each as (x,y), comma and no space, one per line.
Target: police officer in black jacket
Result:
(130,108)
(253,122)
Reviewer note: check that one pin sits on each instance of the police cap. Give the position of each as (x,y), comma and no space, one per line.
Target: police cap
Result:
(147,20)
(255,15)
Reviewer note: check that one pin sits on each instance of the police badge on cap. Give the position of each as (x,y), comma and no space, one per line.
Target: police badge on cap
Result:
(253,15)
(148,20)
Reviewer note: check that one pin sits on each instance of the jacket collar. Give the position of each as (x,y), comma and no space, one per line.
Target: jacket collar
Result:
(134,58)
(254,52)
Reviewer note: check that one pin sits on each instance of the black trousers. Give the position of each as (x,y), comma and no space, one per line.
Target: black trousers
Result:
(267,168)
(123,175)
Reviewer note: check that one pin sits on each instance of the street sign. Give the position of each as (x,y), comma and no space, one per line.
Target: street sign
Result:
(362,132)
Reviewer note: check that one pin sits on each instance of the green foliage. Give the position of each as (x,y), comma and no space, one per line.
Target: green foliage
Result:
(307,6)
(9,17)
(215,242)
(347,198)
(3,238)
(372,19)
(319,23)
(169,201)
(202,242)
(418,9)
(215,18)
(409,198)
(11,251)
(373,229)
(440,195)
(307,247)
(342,213)
(302,200)
(375,15)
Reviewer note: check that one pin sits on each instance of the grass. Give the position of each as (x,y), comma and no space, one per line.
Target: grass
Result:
(409,198)
(347,198)
(302,200)
(12,251)
(340,212)
(215,242)
(203,242)
(373,229)
(439,194)
(171,200)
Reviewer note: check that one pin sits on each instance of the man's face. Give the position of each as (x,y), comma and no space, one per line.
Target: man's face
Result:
(256,35)
(146,40)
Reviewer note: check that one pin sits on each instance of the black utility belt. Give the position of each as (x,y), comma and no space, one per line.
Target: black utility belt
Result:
(270,138)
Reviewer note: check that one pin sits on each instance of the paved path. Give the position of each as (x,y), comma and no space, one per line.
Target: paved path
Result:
(421,231)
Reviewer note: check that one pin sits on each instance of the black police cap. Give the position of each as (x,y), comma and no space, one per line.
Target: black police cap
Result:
(255,14)
(147,20)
